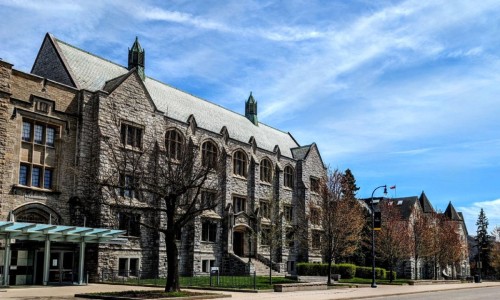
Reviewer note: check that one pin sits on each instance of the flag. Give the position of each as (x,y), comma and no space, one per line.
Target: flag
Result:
(393,187)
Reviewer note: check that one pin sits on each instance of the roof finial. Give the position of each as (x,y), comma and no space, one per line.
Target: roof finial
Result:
(251,110)
(136,58)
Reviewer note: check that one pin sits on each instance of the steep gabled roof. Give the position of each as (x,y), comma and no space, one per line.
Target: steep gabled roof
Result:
(93,73)
(425,203)
(300,153)
(405,205)
(451,213)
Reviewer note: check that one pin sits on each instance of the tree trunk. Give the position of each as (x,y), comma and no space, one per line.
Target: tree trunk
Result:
(172,284)
(329,280)
(390,270)
(416,267)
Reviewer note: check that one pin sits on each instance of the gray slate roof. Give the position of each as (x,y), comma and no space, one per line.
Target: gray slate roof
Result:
(92,72)
(425,203)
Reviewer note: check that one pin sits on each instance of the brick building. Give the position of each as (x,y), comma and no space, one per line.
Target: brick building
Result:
(54,124)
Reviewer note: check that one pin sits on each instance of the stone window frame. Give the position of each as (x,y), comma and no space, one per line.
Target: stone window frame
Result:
(265,208)
(243,202)
(315,216)
(128,186)
(288,213)
(288,176)
(38,134)
(131,135)
(209,230)
(290,236)
(131,222)
(314,184)
(174,144)
(266,170)
(128,271)
(203,196)
(209,153)
(207,264)
(316,239)
(240,163)
(265,235)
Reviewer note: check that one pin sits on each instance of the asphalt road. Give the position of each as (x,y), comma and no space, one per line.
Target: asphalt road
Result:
(487,293)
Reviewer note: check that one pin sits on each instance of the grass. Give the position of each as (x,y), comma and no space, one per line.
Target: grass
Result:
(369,281)
(225,282)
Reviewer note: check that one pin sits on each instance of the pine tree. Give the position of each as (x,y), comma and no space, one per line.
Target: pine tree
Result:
(482,239)
(349,187)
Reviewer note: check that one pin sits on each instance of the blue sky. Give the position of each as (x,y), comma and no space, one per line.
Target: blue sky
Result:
(401,92)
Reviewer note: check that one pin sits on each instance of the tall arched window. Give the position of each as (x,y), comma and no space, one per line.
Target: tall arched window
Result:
(173,144)
(209,154)
(266,170)
(288,177)
(240,163)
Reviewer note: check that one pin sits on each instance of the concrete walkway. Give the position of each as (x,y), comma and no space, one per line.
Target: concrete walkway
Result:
(68,292)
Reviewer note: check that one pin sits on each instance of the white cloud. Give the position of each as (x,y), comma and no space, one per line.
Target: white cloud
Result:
(471,213)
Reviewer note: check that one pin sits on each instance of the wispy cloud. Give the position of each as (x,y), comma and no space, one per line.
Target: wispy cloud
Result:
(471,213)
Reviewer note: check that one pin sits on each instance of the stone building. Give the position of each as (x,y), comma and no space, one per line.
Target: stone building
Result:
(55,125)
(413,207)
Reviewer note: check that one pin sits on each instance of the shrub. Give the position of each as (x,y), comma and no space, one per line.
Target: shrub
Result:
(346,271)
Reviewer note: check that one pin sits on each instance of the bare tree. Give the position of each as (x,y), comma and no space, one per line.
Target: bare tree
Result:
(341,219)
(450,248)
(168,184)
(421,235)
(393,240)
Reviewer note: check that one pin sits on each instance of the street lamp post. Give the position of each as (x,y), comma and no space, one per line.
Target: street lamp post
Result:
(374,283)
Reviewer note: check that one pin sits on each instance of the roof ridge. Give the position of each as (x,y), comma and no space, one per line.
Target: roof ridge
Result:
(210,102)
(87,52)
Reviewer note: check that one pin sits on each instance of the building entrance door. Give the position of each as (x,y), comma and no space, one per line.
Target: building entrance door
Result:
(238,243)
(61,267)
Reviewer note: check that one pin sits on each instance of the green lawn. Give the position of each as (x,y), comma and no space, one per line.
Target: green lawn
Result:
(229,282)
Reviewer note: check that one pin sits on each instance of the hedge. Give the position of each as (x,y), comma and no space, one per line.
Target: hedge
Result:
(310,269)
(346,271)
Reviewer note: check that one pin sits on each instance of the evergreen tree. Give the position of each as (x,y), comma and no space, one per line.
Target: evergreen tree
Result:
(349,187)
(482,239)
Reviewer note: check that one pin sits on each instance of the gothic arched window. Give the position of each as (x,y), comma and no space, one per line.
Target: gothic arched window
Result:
(173,144)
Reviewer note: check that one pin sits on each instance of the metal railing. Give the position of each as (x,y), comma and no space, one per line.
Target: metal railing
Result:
(212,279)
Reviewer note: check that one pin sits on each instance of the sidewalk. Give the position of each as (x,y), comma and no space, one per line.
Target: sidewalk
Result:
(68,292)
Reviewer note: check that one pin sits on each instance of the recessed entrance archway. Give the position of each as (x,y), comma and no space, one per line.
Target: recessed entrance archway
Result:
(242,240)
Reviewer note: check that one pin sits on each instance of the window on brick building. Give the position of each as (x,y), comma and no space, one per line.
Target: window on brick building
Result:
(288,177)
(174,142)
(240,163)
(131,136)
(38,155)
(266,170)
(209,154)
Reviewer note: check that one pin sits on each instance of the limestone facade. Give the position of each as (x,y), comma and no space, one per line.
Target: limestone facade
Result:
(56,127)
